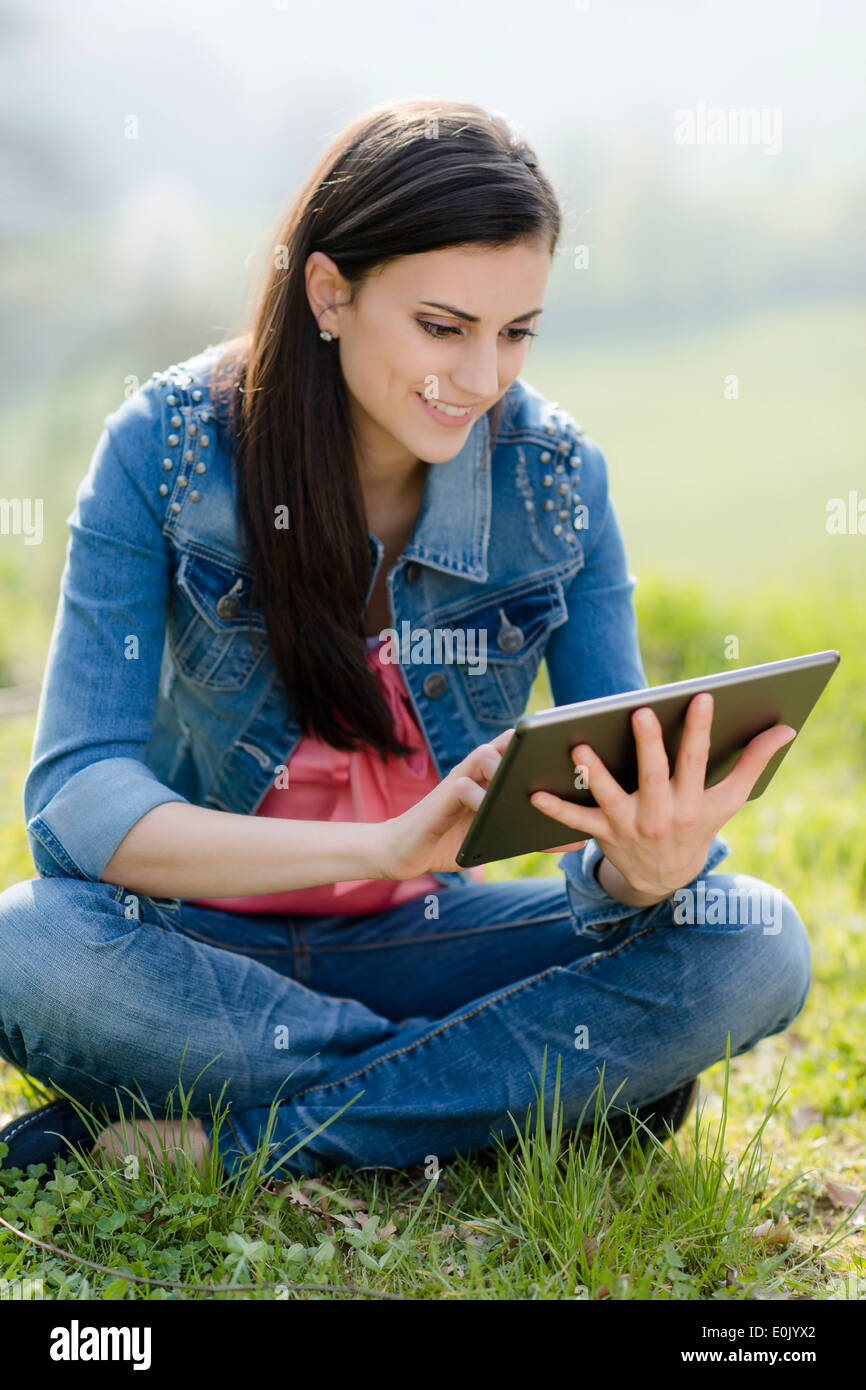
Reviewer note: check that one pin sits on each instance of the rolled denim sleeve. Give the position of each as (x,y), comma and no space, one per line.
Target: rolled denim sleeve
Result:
(88,780)
(596,652)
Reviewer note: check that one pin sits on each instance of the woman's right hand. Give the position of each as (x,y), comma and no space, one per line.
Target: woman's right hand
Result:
(426,838)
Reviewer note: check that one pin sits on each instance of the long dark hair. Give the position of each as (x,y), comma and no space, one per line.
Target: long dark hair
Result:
(404,178)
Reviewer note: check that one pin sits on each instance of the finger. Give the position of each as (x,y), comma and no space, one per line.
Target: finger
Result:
(481,763)
(605,788)
(468,793)
(733,790)
(501,741)
(690,773)
(653,770)
(585,818)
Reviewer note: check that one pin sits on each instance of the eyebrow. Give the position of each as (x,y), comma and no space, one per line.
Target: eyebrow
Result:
(473,318)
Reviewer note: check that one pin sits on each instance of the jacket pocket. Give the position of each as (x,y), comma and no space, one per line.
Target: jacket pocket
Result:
(208,627)
(510,629)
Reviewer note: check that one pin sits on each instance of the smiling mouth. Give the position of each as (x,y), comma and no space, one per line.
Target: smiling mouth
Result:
(455,412)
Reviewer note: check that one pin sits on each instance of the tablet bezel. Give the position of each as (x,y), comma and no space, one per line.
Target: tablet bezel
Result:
(747,700)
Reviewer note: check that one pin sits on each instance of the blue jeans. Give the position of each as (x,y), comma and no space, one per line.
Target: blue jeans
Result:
(434,1027)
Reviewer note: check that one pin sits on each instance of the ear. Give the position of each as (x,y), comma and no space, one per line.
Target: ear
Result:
(327,290)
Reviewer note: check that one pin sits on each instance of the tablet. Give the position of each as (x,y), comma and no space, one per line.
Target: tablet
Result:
(538,758)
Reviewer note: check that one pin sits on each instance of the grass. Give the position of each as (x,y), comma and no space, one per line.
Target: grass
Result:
(755,1197)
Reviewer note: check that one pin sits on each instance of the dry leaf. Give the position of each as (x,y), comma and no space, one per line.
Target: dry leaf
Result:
(294,1194)
(466,1231)
(348,1221)
(602,1291)
(841,1195)
(590,1247)
(774,1233)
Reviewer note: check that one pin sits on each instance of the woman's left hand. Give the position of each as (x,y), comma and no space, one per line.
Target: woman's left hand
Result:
(658,836)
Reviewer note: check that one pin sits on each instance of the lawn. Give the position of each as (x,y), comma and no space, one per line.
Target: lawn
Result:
(755,1198)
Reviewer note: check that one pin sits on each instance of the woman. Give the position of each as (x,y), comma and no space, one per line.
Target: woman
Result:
(245,797)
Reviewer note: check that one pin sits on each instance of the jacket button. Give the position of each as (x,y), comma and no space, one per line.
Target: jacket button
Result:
(509,638)
(434,685)
(413,572)
(229,606)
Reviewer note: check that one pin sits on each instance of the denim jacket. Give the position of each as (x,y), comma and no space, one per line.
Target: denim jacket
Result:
(154,690)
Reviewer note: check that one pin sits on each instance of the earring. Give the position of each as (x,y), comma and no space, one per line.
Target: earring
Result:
(326,335)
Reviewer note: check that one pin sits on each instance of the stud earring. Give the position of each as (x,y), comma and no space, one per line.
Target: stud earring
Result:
(325,334)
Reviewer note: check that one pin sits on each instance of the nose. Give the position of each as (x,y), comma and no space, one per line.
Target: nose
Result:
(477,371)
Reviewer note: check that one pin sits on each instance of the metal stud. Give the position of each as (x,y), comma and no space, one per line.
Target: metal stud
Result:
(229,606)
(188,456)
(207,416)
(182,482)
(201,467)
(173,440)
(575,460)
(205,440)
(193,429)
(548,506)
(509,637)
(168,464)
(564,445)
(545,457)
(529,505)
(563,516)
(194,496)
(172,400)
(547,480)
(557,530)
(563,487)
(434,685)
(175,507)
(176,422)
(163,489)
(196,395)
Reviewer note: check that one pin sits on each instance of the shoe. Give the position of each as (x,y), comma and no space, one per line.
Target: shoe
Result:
(44,1134)
(670,1110)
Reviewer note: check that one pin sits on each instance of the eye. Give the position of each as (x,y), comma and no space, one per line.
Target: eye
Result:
(440,331)
(437,330)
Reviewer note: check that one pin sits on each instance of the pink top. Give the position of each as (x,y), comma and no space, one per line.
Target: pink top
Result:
(326,783)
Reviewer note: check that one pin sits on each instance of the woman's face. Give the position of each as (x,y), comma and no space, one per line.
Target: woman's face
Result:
(451,326)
